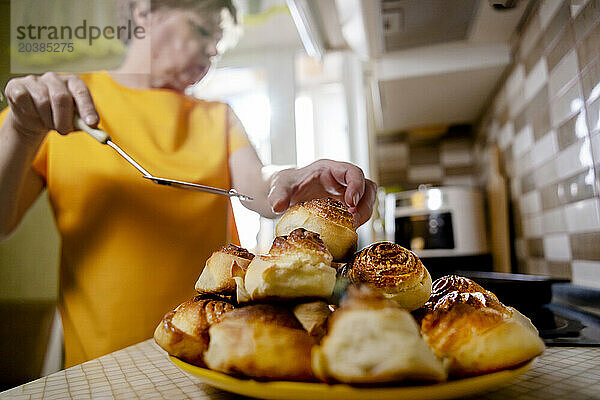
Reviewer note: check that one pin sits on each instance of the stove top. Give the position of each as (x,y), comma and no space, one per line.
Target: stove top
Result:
(560,325)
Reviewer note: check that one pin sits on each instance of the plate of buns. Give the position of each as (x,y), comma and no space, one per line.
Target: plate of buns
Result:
(270,326)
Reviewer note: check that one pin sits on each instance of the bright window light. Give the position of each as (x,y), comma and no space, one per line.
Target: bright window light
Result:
(305,131)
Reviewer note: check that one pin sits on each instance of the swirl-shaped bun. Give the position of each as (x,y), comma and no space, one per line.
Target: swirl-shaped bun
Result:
(221,268)
(327,217)
(298,265)
(183,332)
(470,327)
(302,243)
(394,271)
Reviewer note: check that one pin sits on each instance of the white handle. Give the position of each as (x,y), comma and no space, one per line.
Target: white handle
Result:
(97,134)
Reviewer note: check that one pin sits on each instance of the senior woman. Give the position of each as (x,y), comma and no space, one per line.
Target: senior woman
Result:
(132,249)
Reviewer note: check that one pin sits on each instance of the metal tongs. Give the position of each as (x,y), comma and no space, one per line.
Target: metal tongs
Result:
(104,138)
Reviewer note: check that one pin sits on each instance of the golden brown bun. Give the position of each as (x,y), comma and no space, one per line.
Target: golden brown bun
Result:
(327,217)
(183,332)
(393,270)
(298,265)
(313,317)
(470,328)
(264,314)
(263,350)
(372,340)
(225,264)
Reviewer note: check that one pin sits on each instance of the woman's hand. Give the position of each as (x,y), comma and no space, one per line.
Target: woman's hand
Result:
(39,104)
(325,178)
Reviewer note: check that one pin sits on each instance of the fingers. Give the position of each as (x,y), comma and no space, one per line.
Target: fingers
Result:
(40,104)
(280,193)
(61,103)
(41,101)
(83,100)
(364,210)
(22,107)
(352,178)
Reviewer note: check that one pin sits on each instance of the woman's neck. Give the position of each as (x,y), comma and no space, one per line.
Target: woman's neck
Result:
(134,72)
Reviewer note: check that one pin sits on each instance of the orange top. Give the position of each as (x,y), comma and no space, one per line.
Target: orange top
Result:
(131,249)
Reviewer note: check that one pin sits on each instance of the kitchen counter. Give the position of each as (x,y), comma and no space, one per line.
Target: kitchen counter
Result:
(144,371)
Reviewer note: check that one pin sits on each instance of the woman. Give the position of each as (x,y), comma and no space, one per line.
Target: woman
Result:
(131,249)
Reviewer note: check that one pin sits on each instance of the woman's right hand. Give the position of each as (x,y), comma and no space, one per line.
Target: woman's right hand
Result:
(39,104)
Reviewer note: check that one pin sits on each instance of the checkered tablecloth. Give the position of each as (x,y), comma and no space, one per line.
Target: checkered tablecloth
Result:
(143,371)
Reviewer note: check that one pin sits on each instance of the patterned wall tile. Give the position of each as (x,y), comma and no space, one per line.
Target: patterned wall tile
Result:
(587,17)
(570,102)
(544,149)
(575,158)
(536,79)
(535,247)
(557,247)
(585,246)
(564,74)
(554,221)
(571,130)
(583,216)
(424,155)
(594,115)
(585,273)
(560,17)
(590,81)
(587,49)
(541,123)
(532,226)
(559,49)
(523,141)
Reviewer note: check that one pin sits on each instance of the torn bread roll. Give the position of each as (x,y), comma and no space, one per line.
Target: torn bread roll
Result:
(372,340)
(260,341)
(393,270)
(313,317)
(470,328)
(183,332)
(298,265)
(327,217)
(221,268)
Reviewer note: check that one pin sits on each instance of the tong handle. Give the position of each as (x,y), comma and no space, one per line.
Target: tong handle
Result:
(97,134)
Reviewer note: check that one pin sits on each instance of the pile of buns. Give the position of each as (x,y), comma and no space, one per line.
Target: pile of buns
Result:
(269,316)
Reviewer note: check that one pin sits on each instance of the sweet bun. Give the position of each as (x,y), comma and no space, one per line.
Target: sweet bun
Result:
(260,342)
(264,314)
(313,317)
(470,328)
(221,268)
(393,270)
(372,340)
(327,217)
(298,265)
(183,332)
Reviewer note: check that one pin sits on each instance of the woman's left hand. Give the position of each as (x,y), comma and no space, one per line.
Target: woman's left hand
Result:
(325,178)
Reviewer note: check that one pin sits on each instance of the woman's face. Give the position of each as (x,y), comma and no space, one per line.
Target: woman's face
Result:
(183,42)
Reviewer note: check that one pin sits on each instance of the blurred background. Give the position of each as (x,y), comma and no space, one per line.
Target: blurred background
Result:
(478,119)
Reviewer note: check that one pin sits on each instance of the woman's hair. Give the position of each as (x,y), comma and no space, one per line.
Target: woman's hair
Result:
(125,9)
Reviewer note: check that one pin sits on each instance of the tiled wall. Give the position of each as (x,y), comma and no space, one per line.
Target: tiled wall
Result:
(410,159)
(545,119)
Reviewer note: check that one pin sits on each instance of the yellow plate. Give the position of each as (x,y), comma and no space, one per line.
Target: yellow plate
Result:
(287,390)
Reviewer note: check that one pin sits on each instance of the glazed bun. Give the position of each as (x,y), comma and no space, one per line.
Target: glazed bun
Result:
(470,328)
(372,340)
(183,332)
(327,217)
(262,342)
(268,314)
(393,270)
(221,268)
(298,265)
